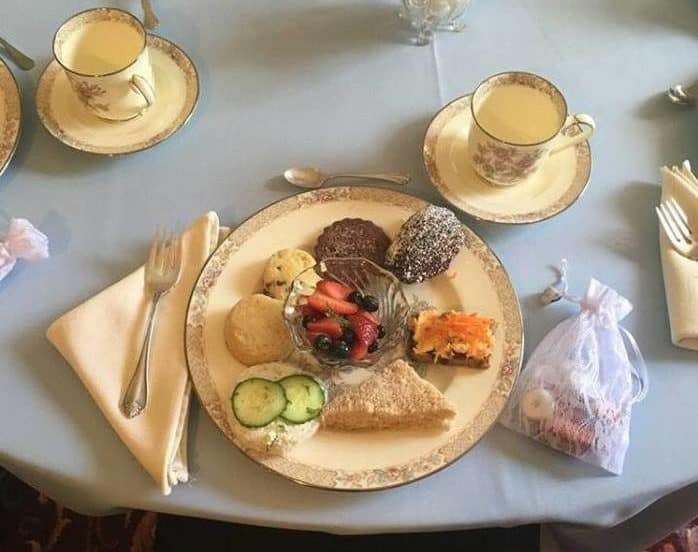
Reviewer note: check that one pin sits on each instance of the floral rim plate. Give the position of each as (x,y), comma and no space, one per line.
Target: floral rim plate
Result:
(10,115)
(357,460)
(559,183)
(177,88)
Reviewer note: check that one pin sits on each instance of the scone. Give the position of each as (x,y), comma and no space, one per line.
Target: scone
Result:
(283,267)
(255,331)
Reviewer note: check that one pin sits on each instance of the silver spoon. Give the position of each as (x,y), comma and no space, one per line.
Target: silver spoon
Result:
(22,61)
(150,20)
(683,96)
(309,177)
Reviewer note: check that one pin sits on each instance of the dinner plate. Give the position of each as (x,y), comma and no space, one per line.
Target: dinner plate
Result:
(10,115)
(477,282)
(67,119)
(560,181)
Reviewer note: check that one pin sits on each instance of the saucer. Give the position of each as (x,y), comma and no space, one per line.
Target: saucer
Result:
(177,85)
(10,115)
(557,185)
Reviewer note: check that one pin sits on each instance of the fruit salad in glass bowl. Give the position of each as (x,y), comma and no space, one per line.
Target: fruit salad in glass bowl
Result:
(353,314)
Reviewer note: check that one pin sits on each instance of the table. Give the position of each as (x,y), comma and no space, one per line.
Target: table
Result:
(334,84)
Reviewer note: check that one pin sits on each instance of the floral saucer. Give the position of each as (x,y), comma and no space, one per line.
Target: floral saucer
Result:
(10,115)
(177,86)
(557,185)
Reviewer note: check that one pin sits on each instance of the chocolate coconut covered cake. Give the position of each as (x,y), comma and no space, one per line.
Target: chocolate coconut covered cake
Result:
(425,245)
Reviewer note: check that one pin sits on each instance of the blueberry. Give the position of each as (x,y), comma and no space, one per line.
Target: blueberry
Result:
(373,347)
(370,303)
(356,298)
(340,349)
(323,342)
(381,331)
(349,336)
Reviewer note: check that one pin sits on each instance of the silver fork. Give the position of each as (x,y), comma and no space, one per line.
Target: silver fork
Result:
(161,274)
(675,225)
(150,20)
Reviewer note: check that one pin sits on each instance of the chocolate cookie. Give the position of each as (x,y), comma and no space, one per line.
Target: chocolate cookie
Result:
(425,245)
(352,237)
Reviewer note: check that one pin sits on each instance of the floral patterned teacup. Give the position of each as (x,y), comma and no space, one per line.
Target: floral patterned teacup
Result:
(519,119)
(105,56)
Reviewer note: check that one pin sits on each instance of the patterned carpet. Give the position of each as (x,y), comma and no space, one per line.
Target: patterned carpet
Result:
(31,522)
(683,540)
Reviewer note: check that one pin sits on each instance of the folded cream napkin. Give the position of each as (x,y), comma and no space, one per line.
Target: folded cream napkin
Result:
(681,274)
(102,338)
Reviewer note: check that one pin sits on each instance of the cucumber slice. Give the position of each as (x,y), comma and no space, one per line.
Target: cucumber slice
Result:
(257,401)
(306,397)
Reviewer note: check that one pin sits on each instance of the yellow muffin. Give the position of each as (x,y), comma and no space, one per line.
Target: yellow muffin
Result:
(282,267)
(255,331)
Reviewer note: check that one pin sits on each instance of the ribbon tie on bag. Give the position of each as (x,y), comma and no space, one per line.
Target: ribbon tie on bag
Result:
(21,241)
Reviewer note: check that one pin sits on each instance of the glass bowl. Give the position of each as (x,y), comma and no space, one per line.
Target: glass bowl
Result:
(367,278)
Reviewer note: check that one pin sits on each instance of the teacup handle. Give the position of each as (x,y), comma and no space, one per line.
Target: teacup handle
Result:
(144,88)
(587,127)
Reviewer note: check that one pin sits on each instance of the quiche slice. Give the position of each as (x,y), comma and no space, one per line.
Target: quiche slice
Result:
(452,338)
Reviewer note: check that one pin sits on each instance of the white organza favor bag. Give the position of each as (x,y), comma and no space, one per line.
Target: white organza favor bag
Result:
(577,390)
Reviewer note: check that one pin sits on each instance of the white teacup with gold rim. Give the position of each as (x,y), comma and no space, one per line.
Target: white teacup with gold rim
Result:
(519,120)
(103,52)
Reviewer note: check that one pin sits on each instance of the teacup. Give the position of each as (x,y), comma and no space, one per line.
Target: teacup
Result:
(104,54)
(519,119)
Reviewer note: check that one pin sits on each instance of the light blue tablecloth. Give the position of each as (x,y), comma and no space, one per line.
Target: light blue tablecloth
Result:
(335,85)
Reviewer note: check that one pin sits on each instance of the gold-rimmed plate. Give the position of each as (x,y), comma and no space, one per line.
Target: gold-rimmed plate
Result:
(177,89)
(556,186)
(10,115)
(357,460)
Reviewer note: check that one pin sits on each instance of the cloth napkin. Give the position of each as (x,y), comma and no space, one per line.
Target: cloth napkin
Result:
(101,339)
(681,274)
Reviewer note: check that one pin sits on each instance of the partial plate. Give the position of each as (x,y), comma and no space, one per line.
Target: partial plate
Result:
(177,88)
(560,182)
(357,460)
(10,115)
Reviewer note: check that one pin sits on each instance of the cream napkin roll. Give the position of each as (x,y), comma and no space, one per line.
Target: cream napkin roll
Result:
(681,274)
(101,339)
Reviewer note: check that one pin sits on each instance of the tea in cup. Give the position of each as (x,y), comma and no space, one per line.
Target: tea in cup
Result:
(519,119)
(105,56)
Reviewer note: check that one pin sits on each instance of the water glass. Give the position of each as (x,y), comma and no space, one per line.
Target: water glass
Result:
(427,16)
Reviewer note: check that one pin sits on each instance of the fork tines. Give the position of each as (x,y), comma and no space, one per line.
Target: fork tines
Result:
(677,229)
(674,221)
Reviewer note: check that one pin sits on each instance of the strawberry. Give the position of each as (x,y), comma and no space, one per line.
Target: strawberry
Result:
(327,326)
(307,310)
(366,332)
(320,301)
(372,318)
(359,350)
(334,289)
(312,336)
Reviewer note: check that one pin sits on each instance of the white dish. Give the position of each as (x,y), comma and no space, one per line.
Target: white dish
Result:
(556,186)
(65,117)
(10,116)
(357,460)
